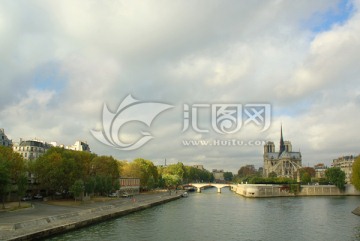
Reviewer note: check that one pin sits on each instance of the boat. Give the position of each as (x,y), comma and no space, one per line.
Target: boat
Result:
(185,194)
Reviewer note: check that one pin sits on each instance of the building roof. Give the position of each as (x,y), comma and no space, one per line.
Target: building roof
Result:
(34,143)
(285,154)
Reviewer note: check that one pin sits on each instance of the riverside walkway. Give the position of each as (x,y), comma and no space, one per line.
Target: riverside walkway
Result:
(43,220)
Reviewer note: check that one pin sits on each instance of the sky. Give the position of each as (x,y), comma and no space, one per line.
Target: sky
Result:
(62,62)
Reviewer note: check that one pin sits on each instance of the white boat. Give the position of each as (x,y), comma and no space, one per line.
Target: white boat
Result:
(185,194)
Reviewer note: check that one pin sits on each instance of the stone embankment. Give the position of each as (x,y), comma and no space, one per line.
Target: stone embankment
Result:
(268,190)
(56,224)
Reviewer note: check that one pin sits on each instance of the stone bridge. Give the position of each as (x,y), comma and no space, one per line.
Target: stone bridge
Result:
(199,186)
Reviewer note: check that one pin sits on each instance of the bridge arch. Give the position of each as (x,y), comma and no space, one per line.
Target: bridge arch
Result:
(219,186)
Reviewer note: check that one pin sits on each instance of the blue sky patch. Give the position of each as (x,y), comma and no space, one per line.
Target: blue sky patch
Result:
(339,14)
(49,77)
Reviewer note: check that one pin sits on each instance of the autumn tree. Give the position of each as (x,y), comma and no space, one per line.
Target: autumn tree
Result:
(58,169)
(143,169)
(247,170)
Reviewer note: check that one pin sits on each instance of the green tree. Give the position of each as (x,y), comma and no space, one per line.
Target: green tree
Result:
(246,171)
(171,181)
(22,186)
(305,178)
(355,178)
(228,176)
(336,176)
(175,169)
(143,169)
(12,168)
(4,182)
(272,175)
(89,185)
(77,188)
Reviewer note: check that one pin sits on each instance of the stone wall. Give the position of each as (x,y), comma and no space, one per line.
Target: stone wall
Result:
(268,190)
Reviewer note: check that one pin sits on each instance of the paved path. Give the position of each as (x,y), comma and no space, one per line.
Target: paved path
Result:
(42,216)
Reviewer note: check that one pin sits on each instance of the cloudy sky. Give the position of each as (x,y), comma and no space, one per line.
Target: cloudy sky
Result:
(61,61)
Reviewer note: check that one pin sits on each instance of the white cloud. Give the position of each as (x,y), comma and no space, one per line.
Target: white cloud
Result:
(181,52)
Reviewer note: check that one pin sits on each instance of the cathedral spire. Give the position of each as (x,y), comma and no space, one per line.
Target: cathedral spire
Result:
(282,145)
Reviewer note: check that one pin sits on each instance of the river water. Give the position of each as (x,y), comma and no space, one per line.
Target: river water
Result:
(227,216)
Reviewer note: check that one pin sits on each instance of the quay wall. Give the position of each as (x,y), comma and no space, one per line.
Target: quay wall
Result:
(55,225)
(269,190)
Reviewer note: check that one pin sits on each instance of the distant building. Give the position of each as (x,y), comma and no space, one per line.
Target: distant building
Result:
(320,169)
(284,163)
(4,140)
(345,164)
(218,175)
(129,185)
(200,167)
(79,146)
(31,149)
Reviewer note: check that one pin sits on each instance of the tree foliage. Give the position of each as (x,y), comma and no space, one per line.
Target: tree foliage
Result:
(77,188)
(246,171)
(228,176)
(336,176)
(355,178)
(143,169)
(171,181)
(12,168)
(58,169)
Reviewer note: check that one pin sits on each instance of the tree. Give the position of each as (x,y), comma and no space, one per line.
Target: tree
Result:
(306,174)
(171,181)
(12,168)
(22,185)
(77,188)
(193,174)
(310,170)
(228,176)
(143,169)
(305,177)
(336,176)
(355,179)
(272,175)
(4,182)
(246,171)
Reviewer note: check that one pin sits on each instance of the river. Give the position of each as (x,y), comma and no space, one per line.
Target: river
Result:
(227,216)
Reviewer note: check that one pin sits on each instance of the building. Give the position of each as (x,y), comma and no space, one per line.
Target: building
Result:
(320,169)
(345,164)
(284,163)
(218,175)
(79,146)
(200,167)
(4,140)
(129,185)
(31,149)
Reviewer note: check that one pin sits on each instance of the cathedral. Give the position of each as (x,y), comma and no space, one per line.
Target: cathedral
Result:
(283,163)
